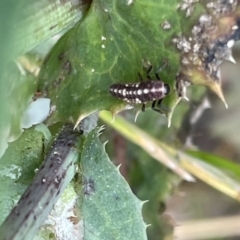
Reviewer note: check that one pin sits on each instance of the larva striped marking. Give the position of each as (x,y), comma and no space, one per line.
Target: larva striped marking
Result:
(143,91)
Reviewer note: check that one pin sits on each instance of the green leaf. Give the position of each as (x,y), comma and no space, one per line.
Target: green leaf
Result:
(17,94)
(26,27)
(17,167)
(225,164)
(217,177)
(110,45)
(115,40)
(151,180)
(11,84)
(107,205)
(30,26)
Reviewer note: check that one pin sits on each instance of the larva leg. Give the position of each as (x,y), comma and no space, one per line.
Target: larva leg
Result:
(140,77)
(154,108)
(165,63)
(148,72)
(143,107)
(158,107)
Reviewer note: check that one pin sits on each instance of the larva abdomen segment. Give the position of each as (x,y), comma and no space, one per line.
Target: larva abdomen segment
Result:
(140,92)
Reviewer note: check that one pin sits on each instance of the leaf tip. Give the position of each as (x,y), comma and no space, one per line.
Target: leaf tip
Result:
(81,117)
(216,88)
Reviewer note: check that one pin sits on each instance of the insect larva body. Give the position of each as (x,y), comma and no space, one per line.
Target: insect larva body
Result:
(140,92)
(143,91)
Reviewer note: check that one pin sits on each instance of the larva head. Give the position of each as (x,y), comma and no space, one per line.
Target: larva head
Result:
(167,89)
(154,90)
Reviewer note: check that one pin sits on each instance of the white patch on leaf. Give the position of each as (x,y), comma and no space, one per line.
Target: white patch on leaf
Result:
(36,112)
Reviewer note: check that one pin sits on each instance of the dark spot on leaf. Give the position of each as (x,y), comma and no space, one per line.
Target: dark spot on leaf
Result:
(52,27)
(67,67)
(68,166)
(16,211)
(27,195)
(57,182)
(27,216)
(89,187)
(59,160)
(70,143)
(61,56)
(58,192)
(56,153)
(46,204)
(117,198)
(52,191)
(63,174)
(57,82)
(48,183)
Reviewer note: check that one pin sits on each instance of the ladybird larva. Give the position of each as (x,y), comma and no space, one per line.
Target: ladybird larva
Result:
(143,91)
